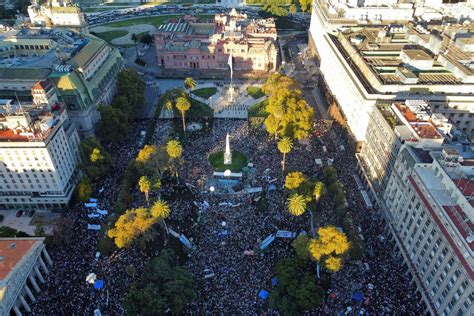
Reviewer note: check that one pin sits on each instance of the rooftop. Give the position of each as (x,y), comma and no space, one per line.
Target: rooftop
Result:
(28,122)
(385,55)
(11,252)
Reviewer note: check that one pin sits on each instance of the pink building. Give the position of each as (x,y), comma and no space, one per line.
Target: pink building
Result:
(191,44)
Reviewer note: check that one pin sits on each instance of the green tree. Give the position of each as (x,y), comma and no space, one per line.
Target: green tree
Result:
(285,145)
(114,124)
(84,190)
(39,230)
(296,204)
(131,86)
(189,83)
(144,185)
(300,244)
(163,285)
(297,290)
(183,105)
(146,39)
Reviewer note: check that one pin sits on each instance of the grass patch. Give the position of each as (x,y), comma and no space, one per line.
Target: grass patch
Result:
(255,92)
(110,35)
(238,161)
(153,20)
(205,93)
(258,109)
(199,109)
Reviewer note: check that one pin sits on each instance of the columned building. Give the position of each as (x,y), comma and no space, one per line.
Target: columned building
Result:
(24,263)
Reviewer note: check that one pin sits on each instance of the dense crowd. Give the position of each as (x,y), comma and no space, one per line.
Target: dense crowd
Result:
(227,267)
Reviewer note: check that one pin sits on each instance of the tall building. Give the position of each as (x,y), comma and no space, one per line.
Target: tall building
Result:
(39,153)
(57,14)
(82,70)
(191,44)
(419,172)
(23,264)
(394,60)
(430,198)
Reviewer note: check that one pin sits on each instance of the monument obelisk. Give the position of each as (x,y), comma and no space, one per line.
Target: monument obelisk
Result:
(227,153)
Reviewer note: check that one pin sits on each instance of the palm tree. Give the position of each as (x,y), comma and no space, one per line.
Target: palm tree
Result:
(296,204)
(189,83)
(161,210)
(144,184)
(183,105)
(174,150)
(284,146)
(168,105)
(319,190)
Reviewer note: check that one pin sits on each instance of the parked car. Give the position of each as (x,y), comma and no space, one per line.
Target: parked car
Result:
(31,213)
(19,213)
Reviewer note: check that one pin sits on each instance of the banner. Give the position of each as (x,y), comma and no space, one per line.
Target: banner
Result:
(267,242)
(285,234)
(185,241)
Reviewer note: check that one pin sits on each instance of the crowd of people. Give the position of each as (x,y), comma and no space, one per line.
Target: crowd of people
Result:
(226,230)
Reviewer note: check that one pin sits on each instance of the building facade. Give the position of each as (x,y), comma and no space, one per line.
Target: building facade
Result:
(57,14)
(431,211)
(363,64)
(23,264)
(191,44)
(39,153)
(82,69)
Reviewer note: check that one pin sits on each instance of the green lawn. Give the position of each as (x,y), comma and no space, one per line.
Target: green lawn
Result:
(199,109)
(205,93)
(110,35)
(258,109)
(154,20)
(255,92)
(238,161)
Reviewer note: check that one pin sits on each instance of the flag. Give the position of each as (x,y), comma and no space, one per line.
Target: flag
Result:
(229,62)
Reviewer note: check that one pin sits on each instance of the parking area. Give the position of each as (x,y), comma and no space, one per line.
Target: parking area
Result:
(26,221)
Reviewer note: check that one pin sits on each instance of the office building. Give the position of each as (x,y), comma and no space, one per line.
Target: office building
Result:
(430,198)
(82,70)
(39,153)
(362,64)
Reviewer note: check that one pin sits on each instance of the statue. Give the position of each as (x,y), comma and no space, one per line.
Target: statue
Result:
(227,153)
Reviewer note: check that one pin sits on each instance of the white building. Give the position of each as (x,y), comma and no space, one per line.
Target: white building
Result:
(39,153)
(430,199)
(365,64)
(56,14)
(23,262)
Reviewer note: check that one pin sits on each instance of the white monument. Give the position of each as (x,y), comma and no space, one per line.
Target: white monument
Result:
(227,153)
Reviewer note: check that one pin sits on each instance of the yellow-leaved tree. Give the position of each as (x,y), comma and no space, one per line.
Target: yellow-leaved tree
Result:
(294,179)
(161,210)
(329,245)
(130,226)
